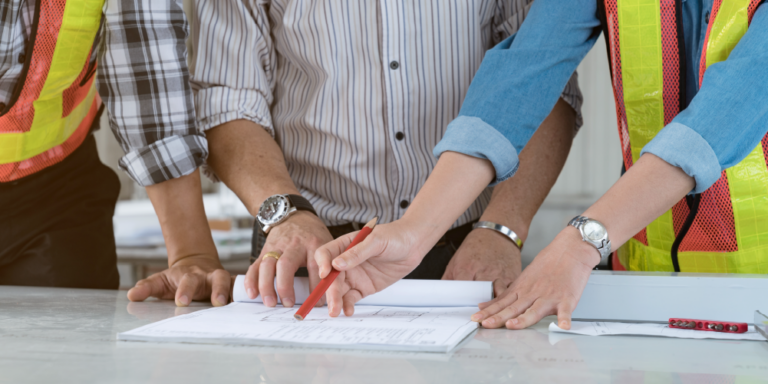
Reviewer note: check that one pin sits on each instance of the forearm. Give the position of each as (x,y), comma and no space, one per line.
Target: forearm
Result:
(515,201)
(249,161)
(454,184)
(179,206)
(644,193)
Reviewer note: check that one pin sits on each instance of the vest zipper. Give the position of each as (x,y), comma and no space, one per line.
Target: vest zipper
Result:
(693,205)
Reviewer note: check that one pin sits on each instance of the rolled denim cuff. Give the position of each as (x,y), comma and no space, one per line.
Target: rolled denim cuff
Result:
(681,146)
(473,137)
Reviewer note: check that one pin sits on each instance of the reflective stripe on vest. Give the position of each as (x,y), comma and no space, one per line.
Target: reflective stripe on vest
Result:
(55,108)
(728,230)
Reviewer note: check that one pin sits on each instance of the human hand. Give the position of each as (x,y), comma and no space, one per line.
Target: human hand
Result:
(198,277)
(387,255)
(296,239)
(551,285)
(486,256)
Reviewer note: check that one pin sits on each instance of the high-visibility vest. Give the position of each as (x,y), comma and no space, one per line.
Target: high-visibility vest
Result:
(724,229)
(50,114)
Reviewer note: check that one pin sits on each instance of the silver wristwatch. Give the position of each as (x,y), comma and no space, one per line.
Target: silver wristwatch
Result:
(594,233)
(277,208)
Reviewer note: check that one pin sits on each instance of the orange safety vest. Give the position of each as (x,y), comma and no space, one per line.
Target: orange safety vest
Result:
(51,113)
(725,229)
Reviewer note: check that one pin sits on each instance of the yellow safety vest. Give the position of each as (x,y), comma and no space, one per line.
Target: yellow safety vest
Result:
(725,229)
(50,115)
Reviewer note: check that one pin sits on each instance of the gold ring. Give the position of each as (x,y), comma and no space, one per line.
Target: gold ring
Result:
(274,254)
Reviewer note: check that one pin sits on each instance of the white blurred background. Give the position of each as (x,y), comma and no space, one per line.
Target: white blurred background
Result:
(593,165)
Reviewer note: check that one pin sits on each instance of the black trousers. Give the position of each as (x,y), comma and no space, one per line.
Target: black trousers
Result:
(432,267)
(56,225)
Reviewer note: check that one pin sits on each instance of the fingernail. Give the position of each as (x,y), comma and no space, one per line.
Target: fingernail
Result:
(513,321)
(222,300)
(269,301)
(490,321)
(563,324)
(339,263)
(287,303)
(184,300)
(251,293)
(476,317)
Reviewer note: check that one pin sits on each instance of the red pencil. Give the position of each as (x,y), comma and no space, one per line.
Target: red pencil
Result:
(319,291)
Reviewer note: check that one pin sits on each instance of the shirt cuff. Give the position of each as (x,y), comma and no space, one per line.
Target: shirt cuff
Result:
(474,137)
(572,95)
(165,159)
(683,147)
(219,105)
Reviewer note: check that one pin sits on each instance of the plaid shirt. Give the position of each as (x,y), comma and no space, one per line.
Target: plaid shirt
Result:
(143,80)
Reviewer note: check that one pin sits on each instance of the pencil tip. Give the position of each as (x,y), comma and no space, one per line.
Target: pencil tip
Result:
(372,223)
(298,317)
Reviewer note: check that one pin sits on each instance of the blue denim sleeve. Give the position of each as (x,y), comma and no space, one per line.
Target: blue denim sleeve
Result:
(727,118)
(519,83)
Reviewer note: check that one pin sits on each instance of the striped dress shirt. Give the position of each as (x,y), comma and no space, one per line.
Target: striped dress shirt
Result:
(357,93)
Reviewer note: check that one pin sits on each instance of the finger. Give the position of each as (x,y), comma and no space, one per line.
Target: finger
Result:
(531,316)
(153,286)
(510,312)
(220,281)
(494,306)
(499,286)
(326,253)
(188,286)
(252,279)
(287,266)
(372,246)
(564,312)
(267,281)
(314,278)
(335,293)
(350,298)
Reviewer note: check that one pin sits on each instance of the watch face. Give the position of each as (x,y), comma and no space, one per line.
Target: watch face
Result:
(594,231)
(273,209)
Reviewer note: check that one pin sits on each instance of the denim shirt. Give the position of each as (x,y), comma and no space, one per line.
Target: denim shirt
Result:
(521,79)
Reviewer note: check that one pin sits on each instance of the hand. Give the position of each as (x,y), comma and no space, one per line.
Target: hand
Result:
(486,256)
(296,239)
(192,278)
(551,285)
(387,255)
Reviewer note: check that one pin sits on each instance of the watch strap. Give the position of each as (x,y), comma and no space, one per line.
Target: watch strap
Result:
(301,204)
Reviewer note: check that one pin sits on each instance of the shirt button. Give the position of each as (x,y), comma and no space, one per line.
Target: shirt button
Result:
(22,58)
(399,136)
(394,65)
(404,204)
(706,18)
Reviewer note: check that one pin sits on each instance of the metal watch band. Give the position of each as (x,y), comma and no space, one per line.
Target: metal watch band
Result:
(500,229)
(301,203)
(604,248)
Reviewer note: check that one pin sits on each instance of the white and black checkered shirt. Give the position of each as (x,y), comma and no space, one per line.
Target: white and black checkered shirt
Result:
(142,78)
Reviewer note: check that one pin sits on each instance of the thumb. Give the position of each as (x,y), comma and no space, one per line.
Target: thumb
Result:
(372,246)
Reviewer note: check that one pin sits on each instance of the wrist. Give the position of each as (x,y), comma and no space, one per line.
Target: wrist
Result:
(586,253)
(512,222)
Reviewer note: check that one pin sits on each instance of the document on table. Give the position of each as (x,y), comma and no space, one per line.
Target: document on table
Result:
(411,315)
(650,329)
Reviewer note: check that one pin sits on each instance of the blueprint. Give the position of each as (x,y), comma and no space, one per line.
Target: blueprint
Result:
(423,329)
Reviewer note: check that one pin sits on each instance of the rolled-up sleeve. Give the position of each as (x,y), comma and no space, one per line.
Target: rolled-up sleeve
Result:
(143,80)
(234,73)
(727,118)
(520,80)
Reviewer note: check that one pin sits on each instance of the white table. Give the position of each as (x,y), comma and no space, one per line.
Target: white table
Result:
(50,335)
